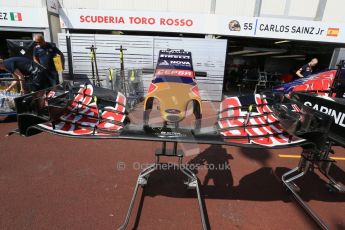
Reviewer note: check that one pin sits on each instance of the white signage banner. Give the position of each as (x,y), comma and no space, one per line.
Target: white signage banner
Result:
(203,24)
(132,20)
(23,17)
(280,28)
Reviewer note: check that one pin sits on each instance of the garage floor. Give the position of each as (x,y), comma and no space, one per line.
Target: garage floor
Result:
(51,182)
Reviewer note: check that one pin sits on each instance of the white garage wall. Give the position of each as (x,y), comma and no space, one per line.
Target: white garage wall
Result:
(236,8)
(23,3)
(192,6)
(307,9)
(297,9)
(334,11)
(142,51)
(272,7)
(284,8)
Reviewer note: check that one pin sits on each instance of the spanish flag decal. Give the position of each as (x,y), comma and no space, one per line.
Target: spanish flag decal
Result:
(333,32)
(15,16)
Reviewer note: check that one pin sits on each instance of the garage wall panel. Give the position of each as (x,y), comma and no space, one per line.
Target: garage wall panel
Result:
(191,6)
(138,53)
(150,5)
(81,4)
(235,7)
(142,53)
(80,54)
(23,3)
(273,7)
(334,11)
(305,8)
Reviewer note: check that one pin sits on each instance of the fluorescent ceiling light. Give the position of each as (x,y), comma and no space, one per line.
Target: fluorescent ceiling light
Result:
(242,52)
(280,42)
(289,56)
(263,53)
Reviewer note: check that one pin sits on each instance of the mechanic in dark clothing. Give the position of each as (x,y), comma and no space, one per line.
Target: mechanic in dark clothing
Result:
(21,67)
(44,52)
(307,69)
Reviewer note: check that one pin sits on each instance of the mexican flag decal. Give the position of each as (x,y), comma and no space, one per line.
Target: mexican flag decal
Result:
(15,16)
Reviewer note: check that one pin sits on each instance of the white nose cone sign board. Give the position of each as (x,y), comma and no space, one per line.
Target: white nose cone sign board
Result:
(202,24)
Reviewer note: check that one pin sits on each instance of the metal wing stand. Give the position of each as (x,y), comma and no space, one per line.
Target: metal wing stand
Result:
(192,182)
(123,83)
(126,84)
(313,126)
(94,66)
(143,177)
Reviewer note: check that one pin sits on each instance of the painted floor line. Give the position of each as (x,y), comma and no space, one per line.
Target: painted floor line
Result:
(298,156)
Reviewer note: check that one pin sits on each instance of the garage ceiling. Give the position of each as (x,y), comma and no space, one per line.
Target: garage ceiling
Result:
(238,44)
